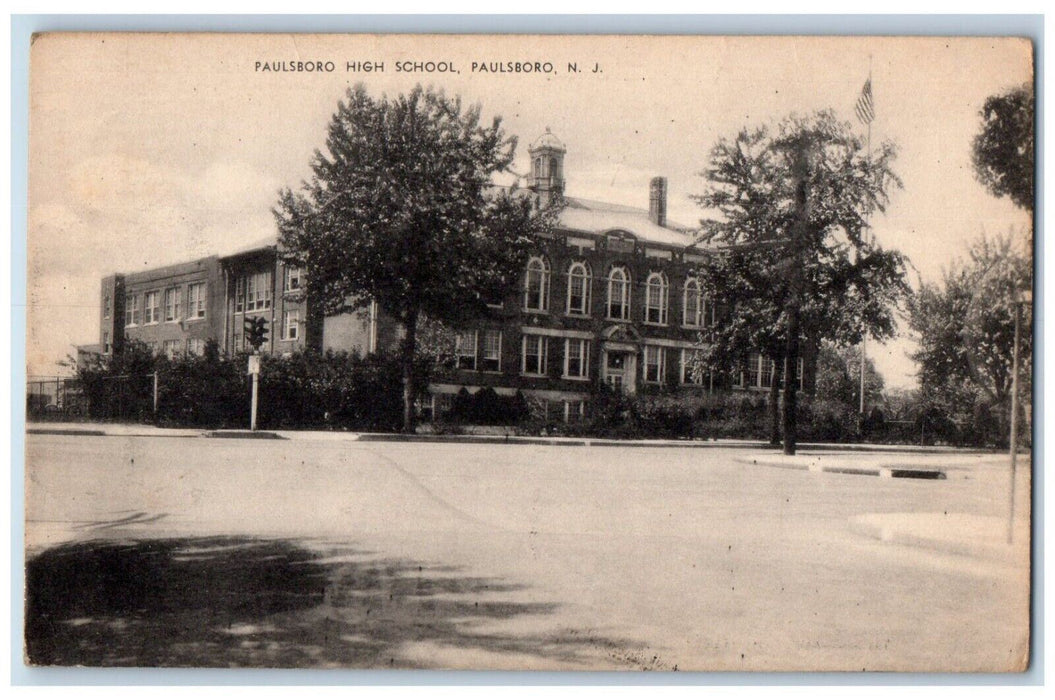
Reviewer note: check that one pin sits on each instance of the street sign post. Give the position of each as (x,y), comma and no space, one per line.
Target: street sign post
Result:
(254,371)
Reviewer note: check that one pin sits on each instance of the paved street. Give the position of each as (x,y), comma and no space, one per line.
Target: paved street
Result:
(339,553)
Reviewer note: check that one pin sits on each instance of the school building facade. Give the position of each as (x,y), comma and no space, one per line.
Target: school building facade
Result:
(610,295)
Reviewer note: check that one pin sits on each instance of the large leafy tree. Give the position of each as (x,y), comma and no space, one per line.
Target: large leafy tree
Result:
(965,327)
(1003,149)
(787,217)
(401,210)
(838,376)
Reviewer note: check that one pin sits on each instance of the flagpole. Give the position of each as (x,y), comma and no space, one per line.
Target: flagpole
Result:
(864,336)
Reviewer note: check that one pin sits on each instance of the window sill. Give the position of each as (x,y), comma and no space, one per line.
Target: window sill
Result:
(491,371)
(572,314)
(655,324)
(614,318)
(194,320)
(575,379)
(533,375)
(535,312)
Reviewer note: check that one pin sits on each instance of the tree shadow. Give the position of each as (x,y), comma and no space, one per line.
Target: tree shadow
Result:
(245,602)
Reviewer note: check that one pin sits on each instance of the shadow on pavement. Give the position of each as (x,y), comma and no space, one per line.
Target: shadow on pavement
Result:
(243,602)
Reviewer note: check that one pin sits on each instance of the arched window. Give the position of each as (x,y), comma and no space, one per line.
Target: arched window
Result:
(554,169)
(656,298)
(538,168)
(578,289)
(536,285)
(692,303)
(619,294)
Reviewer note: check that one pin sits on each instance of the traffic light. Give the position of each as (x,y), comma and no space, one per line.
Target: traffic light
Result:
(256,331)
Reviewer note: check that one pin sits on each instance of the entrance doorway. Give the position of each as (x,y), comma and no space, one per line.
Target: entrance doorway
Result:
(620,367)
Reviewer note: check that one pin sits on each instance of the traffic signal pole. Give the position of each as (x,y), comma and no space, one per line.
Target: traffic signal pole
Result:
(252,405)
(256,332)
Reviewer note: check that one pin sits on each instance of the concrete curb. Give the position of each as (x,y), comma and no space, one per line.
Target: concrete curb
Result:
(881,471)
(103,430)
(244,434)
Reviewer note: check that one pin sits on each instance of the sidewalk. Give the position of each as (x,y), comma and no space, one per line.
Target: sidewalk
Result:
(978,536)
(767,455)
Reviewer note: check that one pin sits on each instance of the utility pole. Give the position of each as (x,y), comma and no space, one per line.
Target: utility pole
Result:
(800,172)
(1025,298)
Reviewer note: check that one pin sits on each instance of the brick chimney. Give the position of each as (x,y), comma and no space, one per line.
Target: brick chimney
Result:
(657,201)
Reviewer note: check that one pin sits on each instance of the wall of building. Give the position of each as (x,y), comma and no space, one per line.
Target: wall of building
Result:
(282,300)
(180,277)
(600,253)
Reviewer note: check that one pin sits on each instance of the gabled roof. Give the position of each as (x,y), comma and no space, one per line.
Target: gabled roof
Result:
(591,216)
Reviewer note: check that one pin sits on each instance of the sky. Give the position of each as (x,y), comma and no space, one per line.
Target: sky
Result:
(152,149)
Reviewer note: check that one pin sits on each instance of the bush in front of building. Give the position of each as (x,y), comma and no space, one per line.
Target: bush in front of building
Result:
(487,407)
(303,390)
(207,391)
(119,387)
(333,390)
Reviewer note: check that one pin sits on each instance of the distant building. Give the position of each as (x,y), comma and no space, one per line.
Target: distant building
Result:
(179,308)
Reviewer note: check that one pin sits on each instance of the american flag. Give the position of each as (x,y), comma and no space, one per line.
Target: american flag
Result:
(865,109)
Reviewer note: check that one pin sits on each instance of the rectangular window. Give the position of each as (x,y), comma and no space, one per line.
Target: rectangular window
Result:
(491,355)
(151,310)
(534,355)
(767,368)
(688,358)
(172,304)
(106,305)
(196,300)
(554,411)
(752,373)
(653,364)
(171,348)
(131,310)
(576,358)
(253,293)
(693,306)
(465,350)
(656,300)
(258,292)
(195,346)
(291,325)
(293,279)
(574,411)
(106,342)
